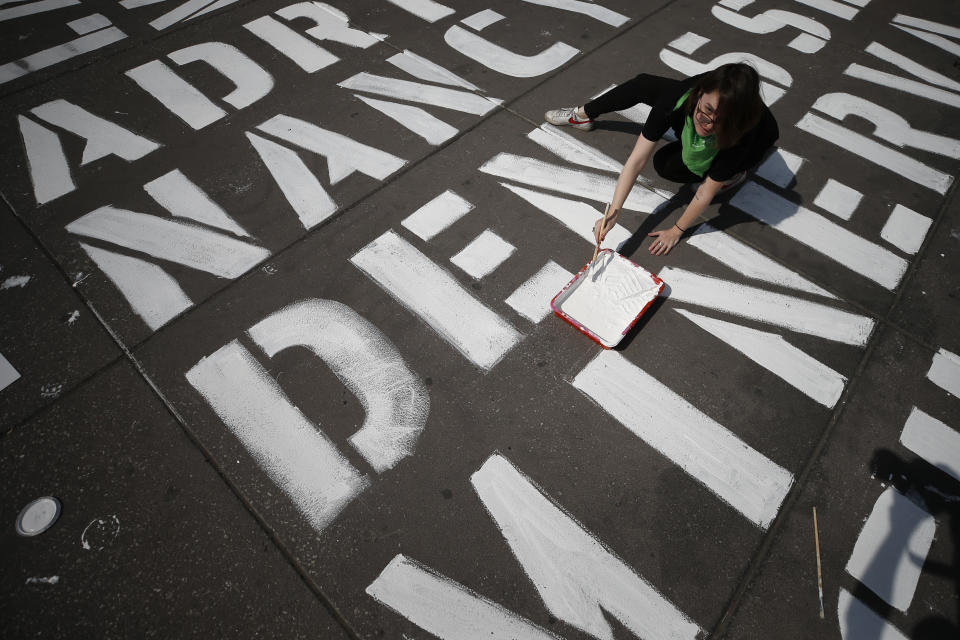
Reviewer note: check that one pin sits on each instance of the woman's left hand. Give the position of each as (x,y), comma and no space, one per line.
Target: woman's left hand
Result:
(665,240)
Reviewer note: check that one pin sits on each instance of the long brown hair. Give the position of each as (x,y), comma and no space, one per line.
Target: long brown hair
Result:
(739,106)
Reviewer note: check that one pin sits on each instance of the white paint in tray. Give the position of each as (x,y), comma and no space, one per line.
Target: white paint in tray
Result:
(609,296)
(446,609)
(945,371)
(532,298)
(890,550)
(580,580)
(741,476)
(932,440)
(483,255)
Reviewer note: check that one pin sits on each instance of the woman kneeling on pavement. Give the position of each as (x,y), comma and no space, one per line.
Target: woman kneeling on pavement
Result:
(723,130)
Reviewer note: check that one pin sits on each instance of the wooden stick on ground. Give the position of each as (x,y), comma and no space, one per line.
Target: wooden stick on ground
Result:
(816,537)
(603,222)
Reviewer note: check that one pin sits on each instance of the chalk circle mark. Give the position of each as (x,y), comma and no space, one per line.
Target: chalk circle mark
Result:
(38,516)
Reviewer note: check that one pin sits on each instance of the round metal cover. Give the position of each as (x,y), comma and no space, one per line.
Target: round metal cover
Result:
(38,516)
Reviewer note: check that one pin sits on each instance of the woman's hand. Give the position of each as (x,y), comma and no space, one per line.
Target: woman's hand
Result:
(665,240)
(598,233)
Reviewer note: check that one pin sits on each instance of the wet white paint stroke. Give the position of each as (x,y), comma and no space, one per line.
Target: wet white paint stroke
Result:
(924,73)
(780,310)
(860,622)
(454,99)
(429,127)
(769,92)
(902,84)
(252,81)
(295,455)
(44,580)
(177,194)
(927,25)
(744,259)
(890,550)
(60,53)
(425,9)
(505,61)
(889,125)
(938,41)
(434,295)
(805,43)
(152,293)
(423,69)
(299,185)
(446,609)
(15,282)
(945,372)
(838,199)
(576,575)
(738,474)
(87,24)
(574,182)
(103,137)
(344,155)
(689,42)
(589,9)
(769,350)
(871,150)
(832,7)
(32,8)
(933,441)
(8,374)
(905,229)
(394,400)
(176,94)
(577,216)
(46,160)
(821,234)
(568,148)
(736,5)
(532,298)
(482,19)
(307,55)
(179,242)
(781,167)
(182,12)
(437,215)
(483,254)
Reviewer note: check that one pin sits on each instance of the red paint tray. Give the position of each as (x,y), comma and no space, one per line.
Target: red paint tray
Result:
(641,275)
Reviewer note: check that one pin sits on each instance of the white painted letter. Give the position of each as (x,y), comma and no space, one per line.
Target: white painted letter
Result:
(251,80)
(505,61)
(395,401)
(584,580)
(332,24)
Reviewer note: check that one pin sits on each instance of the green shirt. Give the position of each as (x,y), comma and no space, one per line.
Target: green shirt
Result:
(697,152)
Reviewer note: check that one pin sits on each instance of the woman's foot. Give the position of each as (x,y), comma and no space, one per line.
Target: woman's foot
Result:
(569,116)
